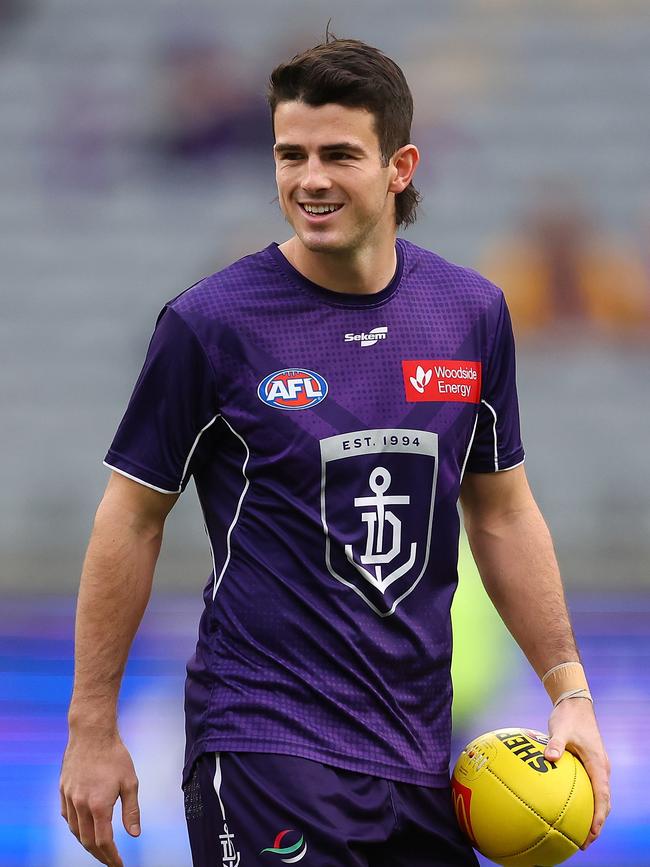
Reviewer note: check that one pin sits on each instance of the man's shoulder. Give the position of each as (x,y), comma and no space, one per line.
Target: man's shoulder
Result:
(450,277)
(235,285)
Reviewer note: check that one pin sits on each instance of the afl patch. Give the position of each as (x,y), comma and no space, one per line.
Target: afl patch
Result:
(292,388)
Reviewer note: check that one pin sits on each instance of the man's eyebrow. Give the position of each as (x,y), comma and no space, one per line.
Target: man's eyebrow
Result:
(337,146)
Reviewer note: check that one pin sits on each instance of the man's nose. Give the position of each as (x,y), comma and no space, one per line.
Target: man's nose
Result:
(315,176)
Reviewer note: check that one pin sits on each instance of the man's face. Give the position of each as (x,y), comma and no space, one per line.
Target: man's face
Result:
(327,158)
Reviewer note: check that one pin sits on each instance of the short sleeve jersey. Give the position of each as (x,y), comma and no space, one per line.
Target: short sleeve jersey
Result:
(327,434)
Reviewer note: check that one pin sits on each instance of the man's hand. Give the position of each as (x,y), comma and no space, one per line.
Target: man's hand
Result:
(96,771)
(573,726)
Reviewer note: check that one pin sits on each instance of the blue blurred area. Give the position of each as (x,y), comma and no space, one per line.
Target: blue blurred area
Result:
(35,682)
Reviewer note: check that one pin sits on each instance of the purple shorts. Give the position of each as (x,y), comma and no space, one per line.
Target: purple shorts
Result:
(266,809)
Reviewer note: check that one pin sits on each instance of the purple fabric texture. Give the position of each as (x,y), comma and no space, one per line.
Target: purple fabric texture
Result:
(328,468)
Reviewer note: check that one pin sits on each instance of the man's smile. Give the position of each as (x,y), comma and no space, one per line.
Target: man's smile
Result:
(319,212)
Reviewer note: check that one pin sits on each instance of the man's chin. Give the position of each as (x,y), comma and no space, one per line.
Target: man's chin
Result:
(323,244)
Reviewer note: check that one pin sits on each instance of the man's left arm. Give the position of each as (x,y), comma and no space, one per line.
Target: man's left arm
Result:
(514,553)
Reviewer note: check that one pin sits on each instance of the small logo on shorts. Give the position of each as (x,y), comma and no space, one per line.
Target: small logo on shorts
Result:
(229,855)
(296,851)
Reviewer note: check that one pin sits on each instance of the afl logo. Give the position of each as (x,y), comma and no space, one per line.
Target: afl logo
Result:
(293,388)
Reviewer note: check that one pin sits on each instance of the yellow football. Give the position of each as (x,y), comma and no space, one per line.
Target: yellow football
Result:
(517,808)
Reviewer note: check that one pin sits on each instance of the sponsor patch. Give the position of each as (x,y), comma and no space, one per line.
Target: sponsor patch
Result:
(285,843)
(368,338)
(292,388)
(442,380)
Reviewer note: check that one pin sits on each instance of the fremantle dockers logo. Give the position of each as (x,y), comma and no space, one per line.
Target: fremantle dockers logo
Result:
(377,494)
(230,857)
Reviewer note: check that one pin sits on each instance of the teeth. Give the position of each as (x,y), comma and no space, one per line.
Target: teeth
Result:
(321,209)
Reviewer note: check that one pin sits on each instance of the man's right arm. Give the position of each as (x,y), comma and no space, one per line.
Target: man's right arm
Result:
(115,587)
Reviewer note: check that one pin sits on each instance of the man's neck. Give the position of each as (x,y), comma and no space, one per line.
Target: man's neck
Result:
(364,271)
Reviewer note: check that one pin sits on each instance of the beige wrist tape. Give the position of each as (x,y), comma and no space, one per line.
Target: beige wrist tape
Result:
(566,680)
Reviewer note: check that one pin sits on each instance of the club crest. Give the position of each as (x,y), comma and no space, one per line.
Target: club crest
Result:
(377,497)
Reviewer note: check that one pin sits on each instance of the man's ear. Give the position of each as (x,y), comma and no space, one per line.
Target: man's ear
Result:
(403,164)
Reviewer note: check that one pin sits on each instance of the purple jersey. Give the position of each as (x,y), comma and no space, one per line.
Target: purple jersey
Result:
(327,434)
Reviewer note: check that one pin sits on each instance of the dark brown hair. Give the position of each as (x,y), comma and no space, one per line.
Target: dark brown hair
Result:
(349,72)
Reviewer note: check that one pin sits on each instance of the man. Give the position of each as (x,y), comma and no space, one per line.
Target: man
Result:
(329,395)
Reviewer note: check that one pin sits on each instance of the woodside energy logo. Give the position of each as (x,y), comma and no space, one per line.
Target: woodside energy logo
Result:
(441,379)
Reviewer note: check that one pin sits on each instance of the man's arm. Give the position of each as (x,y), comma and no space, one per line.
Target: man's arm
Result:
(514,553)
(115,587)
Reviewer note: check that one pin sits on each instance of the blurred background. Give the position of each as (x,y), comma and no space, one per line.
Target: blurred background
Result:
(135,158)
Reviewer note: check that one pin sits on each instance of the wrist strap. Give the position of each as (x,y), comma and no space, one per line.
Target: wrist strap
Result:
(574,693)
(566,680)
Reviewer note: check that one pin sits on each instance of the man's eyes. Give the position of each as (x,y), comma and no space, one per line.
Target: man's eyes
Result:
(333,155)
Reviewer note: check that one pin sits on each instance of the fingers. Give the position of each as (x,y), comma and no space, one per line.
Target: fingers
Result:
(71,817)
(104,839)
(554,748)
(87,833)
(598,770)
(573,724)
(91,825)
(93,776)
(130,807)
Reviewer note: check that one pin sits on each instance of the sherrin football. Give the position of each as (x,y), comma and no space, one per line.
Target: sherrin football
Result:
(517,808)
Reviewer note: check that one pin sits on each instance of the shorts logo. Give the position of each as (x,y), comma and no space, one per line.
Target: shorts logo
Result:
(292,388)
(442,380)
(297,850)
(229,855)
(377,495)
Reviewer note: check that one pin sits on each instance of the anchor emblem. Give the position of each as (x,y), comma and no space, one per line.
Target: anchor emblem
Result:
(379,482)
(378,489)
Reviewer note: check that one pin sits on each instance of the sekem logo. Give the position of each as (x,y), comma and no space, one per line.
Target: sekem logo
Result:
(292,388)
(368,338)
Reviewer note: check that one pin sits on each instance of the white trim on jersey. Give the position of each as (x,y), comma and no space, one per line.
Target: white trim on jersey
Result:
(469,448)
(217,581)
(494,430)
(196,442)
(505,469)
(187,463)
(136,479)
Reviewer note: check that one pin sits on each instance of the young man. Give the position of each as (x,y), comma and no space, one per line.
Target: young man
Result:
(332,397)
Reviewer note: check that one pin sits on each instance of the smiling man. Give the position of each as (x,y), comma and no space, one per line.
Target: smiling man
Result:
(335,187)
(333,398)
